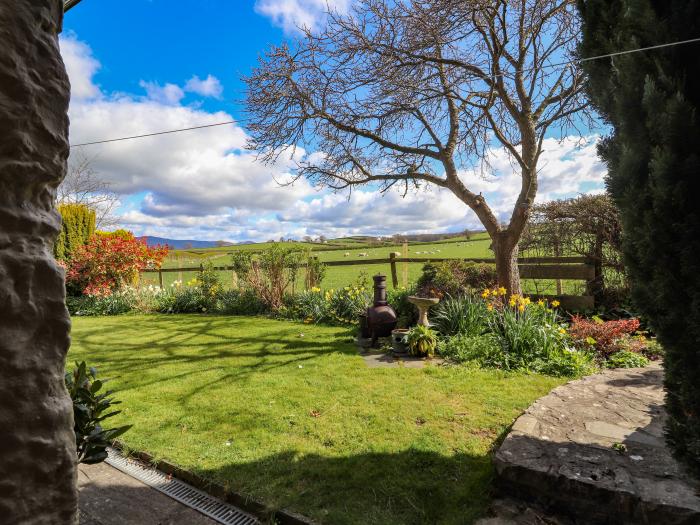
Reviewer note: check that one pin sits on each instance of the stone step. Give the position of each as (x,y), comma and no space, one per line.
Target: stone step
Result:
(594,450)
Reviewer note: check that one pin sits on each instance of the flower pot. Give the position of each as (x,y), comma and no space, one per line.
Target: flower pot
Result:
(399,344)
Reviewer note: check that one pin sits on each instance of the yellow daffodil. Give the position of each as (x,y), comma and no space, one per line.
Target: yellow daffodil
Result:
(485,293)
(521,308)
(555,303)
(489,307)
(502,291)
(540,302)
(562,331)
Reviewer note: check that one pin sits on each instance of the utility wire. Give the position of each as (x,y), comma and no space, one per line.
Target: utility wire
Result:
(547,66)
(154,134)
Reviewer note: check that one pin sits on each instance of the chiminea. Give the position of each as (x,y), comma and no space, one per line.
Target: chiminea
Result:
(381,318)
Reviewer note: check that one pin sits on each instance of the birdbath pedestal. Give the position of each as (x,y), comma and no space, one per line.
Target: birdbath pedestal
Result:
(423,304)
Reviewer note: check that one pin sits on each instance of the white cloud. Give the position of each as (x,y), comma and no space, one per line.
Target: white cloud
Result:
(209,87)
(204,175)
(81,67)
(291,15)
(170,94)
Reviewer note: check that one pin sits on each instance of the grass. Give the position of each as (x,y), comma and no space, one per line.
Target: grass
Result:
(301,422)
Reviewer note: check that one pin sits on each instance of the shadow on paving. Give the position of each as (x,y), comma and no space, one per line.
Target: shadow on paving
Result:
(110,497)
(410,487)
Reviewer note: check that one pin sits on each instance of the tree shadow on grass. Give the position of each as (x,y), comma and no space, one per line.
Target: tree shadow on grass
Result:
(408,487)
(237,354)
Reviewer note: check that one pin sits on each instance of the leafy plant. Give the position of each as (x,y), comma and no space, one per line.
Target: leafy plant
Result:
(626,359)
(107,264)
(463,315)
(90,409)
(481,349)
(455,278)
(422,341)
(270,273)
(602,336)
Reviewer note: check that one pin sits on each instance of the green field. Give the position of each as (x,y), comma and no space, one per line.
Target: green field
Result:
(477,246)
(301,422)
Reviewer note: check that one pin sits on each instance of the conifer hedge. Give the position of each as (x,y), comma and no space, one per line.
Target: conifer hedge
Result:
(651,99)
(78,226)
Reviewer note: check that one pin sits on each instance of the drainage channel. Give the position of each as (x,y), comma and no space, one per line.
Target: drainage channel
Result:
(180,491)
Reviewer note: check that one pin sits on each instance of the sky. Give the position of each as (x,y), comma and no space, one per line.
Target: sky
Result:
(142,66)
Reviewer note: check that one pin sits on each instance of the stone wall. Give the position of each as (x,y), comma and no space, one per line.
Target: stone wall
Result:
(37,448)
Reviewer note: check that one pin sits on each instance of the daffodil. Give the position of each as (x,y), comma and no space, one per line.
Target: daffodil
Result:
(489,307)
(502,291)
(555,303)
(540,302)
(521,308)
(485,293)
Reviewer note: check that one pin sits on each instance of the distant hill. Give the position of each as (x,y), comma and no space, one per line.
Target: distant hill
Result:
(178,244)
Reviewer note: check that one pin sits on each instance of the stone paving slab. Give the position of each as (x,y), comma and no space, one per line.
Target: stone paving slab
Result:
(110,497)
(564,453)
(386,360)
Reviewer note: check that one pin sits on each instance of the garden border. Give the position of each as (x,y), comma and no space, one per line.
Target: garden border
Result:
(574,268)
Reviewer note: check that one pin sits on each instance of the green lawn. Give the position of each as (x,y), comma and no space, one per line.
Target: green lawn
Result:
(301,422)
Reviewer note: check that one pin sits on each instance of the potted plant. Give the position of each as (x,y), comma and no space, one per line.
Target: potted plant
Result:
(422,341)
(398,341)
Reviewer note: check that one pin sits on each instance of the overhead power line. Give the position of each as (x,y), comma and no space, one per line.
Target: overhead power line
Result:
(71,3)
(154,134)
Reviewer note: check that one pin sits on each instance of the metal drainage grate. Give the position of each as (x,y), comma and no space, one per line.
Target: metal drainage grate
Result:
(181,491)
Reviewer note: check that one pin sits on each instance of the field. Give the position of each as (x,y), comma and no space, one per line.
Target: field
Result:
(477,246)
(302,422)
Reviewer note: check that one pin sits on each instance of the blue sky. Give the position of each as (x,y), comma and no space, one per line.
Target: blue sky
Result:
(139,66)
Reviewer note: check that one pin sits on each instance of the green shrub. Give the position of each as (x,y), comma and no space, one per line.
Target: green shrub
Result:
(77,226)
(530,337)
(90,409)
(626,359)
(422,341)
(239,302)
(310,306)
(184,300)
(463,348)
(406,312)
(455,278)
(463,315)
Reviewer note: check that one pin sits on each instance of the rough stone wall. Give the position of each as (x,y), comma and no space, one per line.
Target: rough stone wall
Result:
(37,447)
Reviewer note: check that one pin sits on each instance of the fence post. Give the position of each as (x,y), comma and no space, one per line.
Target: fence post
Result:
(160,278)
(404,270)
(394,275)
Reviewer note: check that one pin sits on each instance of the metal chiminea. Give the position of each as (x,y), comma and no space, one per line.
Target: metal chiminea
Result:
(381,318)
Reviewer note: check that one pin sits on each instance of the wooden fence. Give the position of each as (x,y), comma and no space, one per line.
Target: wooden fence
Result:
(556,268)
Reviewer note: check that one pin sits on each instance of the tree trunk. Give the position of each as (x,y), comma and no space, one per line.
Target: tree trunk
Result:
(38,459)
(506,252)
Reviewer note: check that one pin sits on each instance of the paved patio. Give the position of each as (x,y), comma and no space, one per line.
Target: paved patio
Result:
(110,497)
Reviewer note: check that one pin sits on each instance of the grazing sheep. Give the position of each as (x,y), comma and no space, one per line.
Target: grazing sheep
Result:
(418,253)
(363,254)
(347,254)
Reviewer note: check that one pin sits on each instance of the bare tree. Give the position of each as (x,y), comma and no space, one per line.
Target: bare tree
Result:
(403,92)
(83,185)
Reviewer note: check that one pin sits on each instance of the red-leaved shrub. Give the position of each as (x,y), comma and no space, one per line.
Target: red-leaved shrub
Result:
(107,263)
(602,335)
